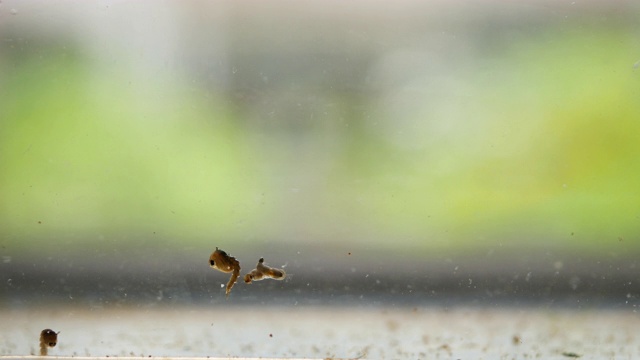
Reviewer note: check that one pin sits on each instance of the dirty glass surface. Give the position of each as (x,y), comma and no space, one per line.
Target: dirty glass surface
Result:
(437,179)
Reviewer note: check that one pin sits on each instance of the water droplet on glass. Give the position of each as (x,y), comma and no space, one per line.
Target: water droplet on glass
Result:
(14,12)
(574,282)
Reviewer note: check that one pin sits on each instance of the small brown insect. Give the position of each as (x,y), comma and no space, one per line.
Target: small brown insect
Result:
(48,338)
(263,271)
(221,261)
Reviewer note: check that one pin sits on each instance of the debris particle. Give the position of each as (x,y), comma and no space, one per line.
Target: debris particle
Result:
(571,354)
(446,348)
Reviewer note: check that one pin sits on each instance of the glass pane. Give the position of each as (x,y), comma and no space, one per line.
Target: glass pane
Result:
(453,179)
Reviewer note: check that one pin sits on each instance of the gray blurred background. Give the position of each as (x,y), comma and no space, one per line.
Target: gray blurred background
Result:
(382,152)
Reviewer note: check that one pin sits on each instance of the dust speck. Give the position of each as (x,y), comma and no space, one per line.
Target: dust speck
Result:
(516,340)
(570,354)
(392,325)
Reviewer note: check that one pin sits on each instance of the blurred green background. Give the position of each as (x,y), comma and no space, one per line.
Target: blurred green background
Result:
(420,128)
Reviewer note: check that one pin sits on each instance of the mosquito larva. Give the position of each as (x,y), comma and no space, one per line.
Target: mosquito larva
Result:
(221,261)
(263,271)
(48,338)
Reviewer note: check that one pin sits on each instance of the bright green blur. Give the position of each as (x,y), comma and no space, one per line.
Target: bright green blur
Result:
(534,144)
(88,154)
(542,148)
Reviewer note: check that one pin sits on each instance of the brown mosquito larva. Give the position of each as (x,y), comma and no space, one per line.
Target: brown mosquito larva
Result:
(263,271)
(48,338)
(221,261)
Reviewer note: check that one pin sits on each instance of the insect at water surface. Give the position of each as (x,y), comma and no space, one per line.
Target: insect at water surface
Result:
(222,261)
(263,271)
(48,338)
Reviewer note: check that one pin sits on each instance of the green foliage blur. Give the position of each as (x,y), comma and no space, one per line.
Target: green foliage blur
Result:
(530,142)
(86,153)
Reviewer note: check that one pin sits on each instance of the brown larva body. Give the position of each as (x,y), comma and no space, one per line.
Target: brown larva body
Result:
(263,271)
(48,338)
(221,261)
